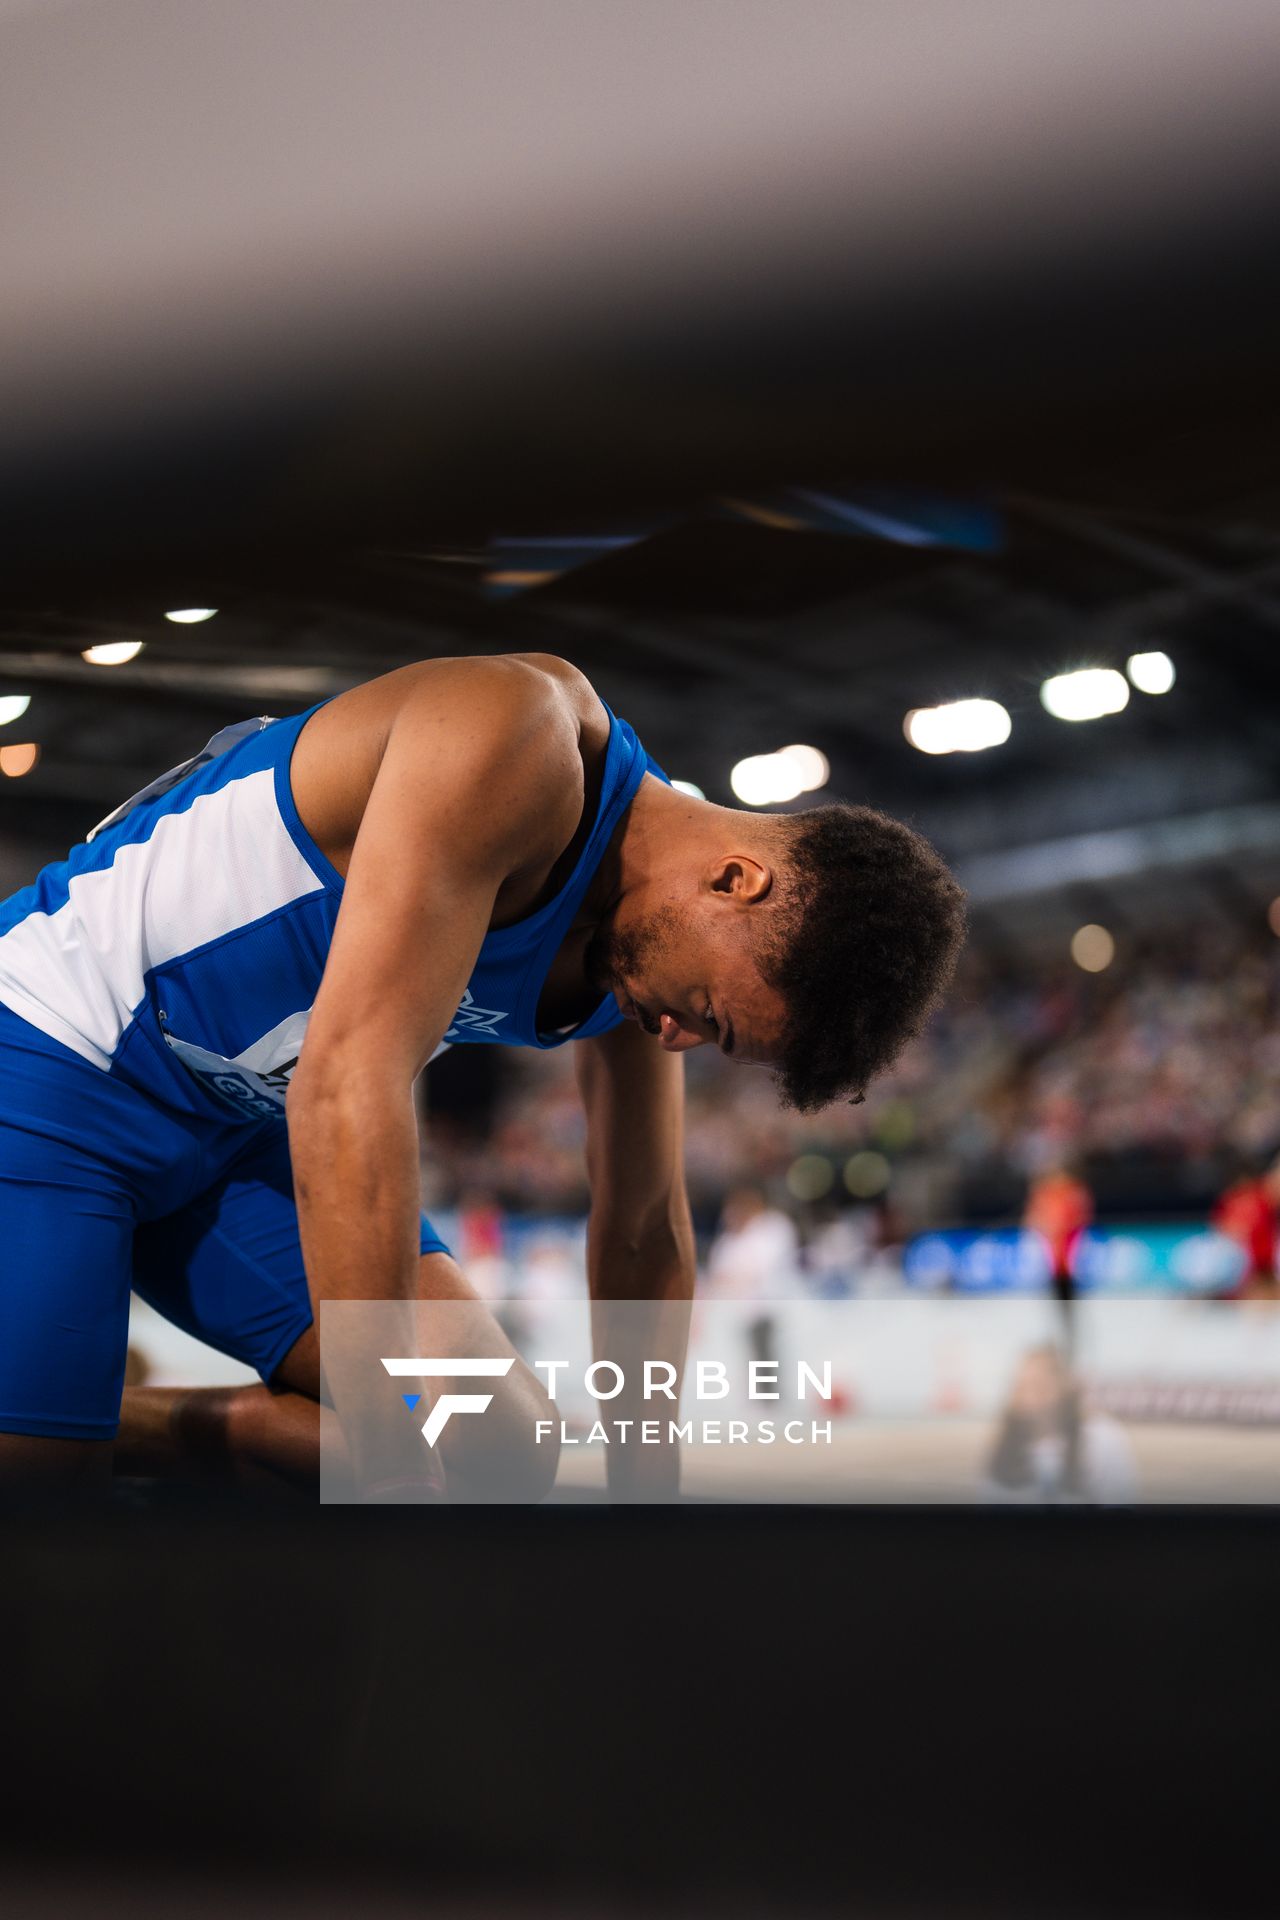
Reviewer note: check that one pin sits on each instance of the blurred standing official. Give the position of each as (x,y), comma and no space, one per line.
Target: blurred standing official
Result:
(1059,1208)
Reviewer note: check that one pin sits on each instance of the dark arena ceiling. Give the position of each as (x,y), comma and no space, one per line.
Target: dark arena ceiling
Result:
(964,399)
(720,637)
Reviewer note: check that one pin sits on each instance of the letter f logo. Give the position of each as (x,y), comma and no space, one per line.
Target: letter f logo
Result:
(418,1368)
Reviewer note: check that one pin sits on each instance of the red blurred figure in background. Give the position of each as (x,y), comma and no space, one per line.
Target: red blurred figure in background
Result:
(1247,1213)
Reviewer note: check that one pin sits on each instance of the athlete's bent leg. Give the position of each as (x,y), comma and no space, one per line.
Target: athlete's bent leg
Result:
(30,1459)
(250,1434)
(275,1433)
(67,1228)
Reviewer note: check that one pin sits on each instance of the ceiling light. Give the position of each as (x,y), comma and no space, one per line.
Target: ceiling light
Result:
(812,768)
(1092,948)
(1086,695)
(191,616)
(112,653)
(765,778)
(13,706)
(1151,672)
(962,726)
(19,758)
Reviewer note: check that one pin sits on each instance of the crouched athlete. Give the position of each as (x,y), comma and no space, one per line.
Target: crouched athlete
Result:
(213,1012)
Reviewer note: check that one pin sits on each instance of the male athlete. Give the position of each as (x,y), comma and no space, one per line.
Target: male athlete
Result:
(461,852)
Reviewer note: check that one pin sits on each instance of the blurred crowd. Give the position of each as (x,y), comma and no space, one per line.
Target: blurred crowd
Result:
(1158,1080)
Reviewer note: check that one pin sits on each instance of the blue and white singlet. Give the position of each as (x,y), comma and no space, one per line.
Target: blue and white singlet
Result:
(180,948)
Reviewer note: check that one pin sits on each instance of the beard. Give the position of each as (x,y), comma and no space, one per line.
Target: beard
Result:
(614,956)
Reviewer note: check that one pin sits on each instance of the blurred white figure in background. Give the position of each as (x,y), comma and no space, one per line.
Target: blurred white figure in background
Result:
(838,1252)
(756,1253)
(755,1257)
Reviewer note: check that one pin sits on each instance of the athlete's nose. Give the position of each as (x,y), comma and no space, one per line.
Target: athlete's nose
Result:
(674,1037)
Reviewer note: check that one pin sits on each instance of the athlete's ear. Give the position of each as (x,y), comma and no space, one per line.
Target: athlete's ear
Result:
(747,879)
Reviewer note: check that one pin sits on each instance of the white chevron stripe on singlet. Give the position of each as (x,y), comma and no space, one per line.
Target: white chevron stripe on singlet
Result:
(219,864)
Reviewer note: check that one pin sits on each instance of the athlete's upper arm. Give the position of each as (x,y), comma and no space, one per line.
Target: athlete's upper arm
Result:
(633,1093)
(476,763)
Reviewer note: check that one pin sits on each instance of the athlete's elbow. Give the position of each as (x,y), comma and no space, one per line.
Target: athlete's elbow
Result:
(314,1089)
(332,1088)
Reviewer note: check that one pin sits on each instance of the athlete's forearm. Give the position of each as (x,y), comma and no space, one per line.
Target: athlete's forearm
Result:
(658,1263)
(355,1172)
(355,1163)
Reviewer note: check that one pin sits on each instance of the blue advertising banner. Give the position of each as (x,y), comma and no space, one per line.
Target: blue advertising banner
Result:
(1115,1259)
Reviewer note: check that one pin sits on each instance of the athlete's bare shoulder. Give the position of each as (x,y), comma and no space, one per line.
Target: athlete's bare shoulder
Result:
(526,724)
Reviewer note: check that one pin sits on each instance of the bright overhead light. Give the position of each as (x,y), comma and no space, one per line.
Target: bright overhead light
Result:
(768,777)
(765,778)
(13,706)
(687,786)
(962,726)
(18,759)
(812,769)
(1086,695)
(1092,948)
(1151,672)
(191,616)
(112,653)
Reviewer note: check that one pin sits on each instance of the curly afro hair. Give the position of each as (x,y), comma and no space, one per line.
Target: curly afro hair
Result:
(865,942)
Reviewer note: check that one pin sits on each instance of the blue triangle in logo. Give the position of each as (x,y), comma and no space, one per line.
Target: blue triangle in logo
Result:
(411,1400)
